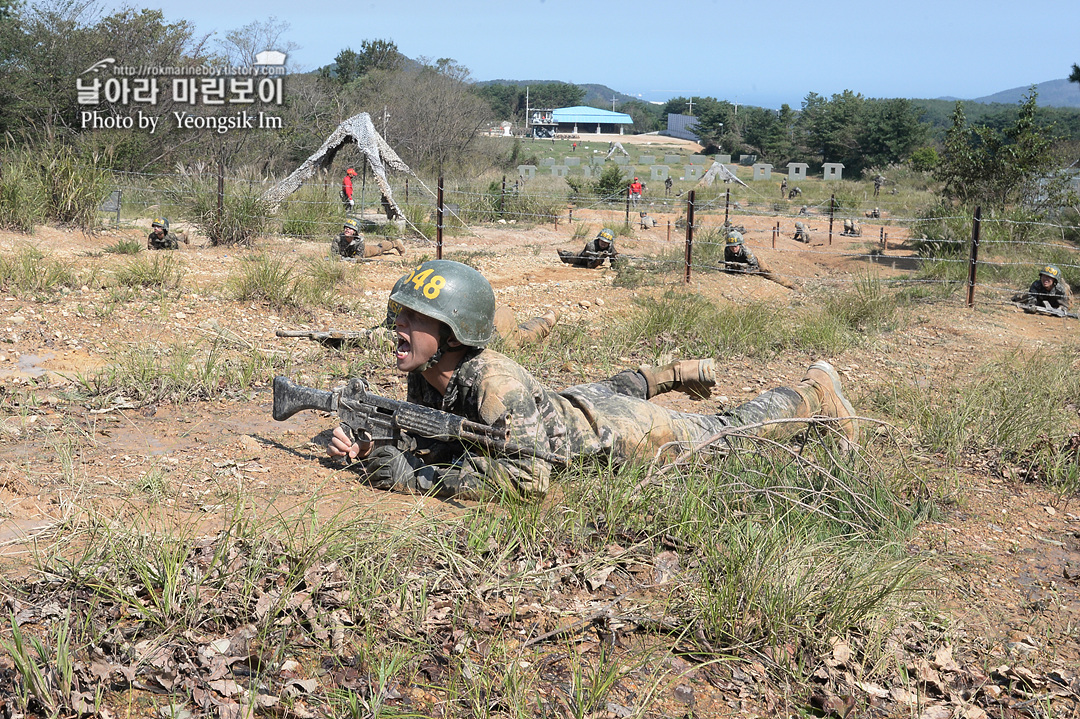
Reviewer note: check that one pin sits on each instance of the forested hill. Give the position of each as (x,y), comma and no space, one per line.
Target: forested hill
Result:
(596,95)
(1053,93)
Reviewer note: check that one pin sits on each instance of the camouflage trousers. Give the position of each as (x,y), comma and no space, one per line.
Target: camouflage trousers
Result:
(631,427)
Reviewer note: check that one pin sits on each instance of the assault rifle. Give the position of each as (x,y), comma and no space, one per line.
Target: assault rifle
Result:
(1045,309)
(396,423)
(338,338)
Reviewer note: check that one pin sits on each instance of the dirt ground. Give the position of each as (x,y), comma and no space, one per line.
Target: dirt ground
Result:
(1006,554)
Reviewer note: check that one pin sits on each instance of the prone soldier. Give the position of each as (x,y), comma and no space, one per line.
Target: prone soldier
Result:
(443,329)
(595,252)
(795,192)
(852,228)
(160,239)
(1046,291)
(738,258)
(350,243)
(874,213)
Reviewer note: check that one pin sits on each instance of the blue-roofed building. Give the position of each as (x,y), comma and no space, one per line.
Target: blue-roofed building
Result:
(582,120)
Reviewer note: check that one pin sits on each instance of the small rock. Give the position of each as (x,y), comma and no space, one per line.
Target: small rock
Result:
(599,302)
(685,694)
(179,315)
(585,304)
(17,319)
(1050,510)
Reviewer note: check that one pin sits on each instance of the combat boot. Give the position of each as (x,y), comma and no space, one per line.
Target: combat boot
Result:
(537,328)
(820,386)
(400,247)
(694,377)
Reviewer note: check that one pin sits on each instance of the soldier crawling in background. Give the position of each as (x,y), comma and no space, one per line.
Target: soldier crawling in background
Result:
(795,192)
(350,243)
(1048,291)
(874,214)
(595,252)
(646,222)
(802,233)
(160,239)
(852,228)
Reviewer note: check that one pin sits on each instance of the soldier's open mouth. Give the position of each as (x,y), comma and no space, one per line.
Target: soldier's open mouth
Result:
(403,347)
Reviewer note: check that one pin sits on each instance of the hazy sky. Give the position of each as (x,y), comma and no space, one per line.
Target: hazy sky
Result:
(758,52)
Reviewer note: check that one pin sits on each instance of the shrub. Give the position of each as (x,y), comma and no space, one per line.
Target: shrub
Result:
(242,218)
(925,159)
(30,270)
(125,246)
(311,211)
(21,197)
(612,183)
(74,185)
(163,271)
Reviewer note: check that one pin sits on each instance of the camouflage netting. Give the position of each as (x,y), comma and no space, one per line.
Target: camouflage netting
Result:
(613,146)
(719,171)
(378,153)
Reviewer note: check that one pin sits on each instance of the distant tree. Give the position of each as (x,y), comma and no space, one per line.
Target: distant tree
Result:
(45,48)
(435,115)
(888,132)
(1074,76)
(243,44)
(1000,168)
(646,117)
(925,159)
(508,102)
(350,66)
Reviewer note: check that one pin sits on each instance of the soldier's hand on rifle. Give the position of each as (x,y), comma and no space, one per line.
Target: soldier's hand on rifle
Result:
(390,468)
(342,445)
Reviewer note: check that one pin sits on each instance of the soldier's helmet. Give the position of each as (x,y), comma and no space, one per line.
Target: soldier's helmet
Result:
(350,172)
(607,235)
(734,239)
(162,222)
(1051,271)
(392,308)
(452,293)
(351,224)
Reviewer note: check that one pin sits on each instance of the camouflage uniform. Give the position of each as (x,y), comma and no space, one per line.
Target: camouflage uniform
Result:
(166,242)
(612,419)
(592,256)
(743,261)
(1055,297)
(802,232)
(345,246)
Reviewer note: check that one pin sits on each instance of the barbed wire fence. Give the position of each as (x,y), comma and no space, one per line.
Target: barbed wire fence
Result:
(682,234)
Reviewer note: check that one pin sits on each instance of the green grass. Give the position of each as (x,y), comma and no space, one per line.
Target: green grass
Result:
(125,246)
(157,270)
(179,372)
(1015,410)
(283,285)
(313,211)
(29,270)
